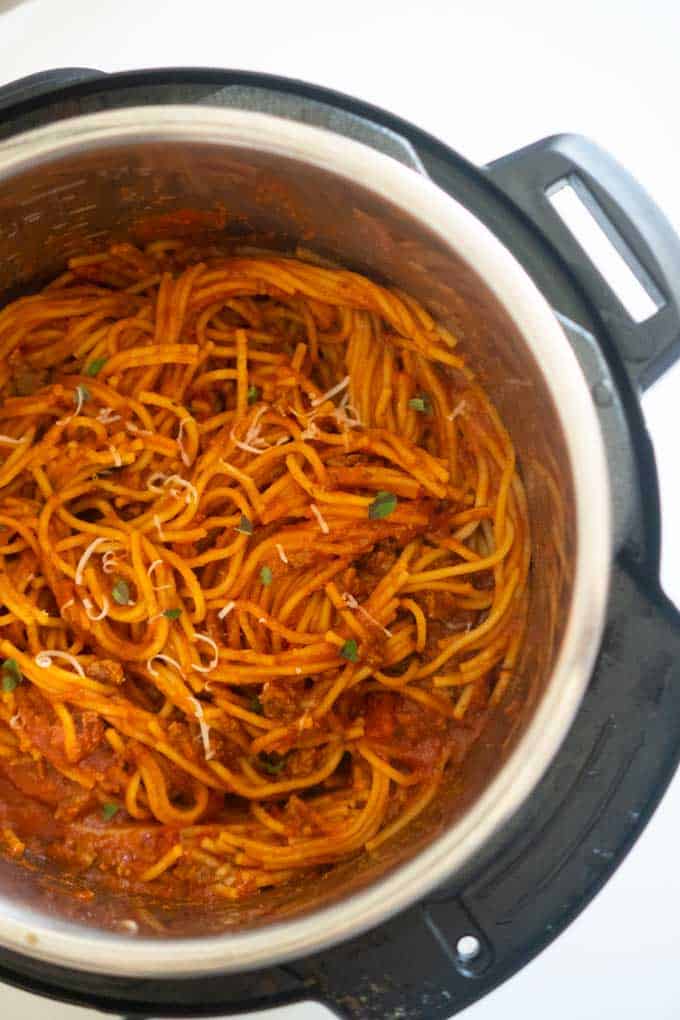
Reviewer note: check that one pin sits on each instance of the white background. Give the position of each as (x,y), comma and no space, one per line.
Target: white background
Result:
(487,77)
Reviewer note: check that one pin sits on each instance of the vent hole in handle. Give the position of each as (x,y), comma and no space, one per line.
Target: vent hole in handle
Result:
(605,248)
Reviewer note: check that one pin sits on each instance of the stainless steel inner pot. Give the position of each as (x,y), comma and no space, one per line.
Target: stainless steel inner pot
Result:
(75,186)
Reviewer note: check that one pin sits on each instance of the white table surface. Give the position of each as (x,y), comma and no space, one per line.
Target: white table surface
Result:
(487,77)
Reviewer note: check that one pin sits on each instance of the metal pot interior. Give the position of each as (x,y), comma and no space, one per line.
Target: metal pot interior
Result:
(56,206)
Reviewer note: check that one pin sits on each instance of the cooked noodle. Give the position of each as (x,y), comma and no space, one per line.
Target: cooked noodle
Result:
(263,562)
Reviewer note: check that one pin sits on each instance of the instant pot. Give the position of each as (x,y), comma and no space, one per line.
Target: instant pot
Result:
(553,799)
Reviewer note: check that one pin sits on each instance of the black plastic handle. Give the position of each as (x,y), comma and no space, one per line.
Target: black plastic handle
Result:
(34,85)
(627,214)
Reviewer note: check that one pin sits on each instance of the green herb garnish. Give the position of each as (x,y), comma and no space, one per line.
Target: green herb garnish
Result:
(245,526)
(266,576)
(95,366)
(172,614)
(382,506)
(253,394)
(11,674)
(421,403)
(109,810)
(349,650)
(81,394)
(256,706)
(121,592)
(272,762)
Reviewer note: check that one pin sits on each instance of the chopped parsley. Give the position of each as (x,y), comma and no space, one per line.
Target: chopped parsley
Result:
(95,367)
(266,576)
(421,403)
(11,675)
(109,810)
(245,526)
(121,592)
(382,506)
(349,650)
(253,394)
(272,762)
(172,614)
(256,706)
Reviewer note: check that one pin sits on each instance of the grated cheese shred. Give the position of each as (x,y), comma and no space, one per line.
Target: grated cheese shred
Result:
(167,659)
(353,603)
(226,610)
(282,553)
(458,409)
(329,394)
(186,459)
(89,607)
(216,655)
(320,518)
(44,660)
(84,559)
(204,728)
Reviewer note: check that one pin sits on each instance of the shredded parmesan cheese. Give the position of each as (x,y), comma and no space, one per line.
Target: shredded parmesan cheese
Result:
(67,605)
(216,655)
(167,659)
(252,436)
(152,481)
(304,722)
(253,432)
(282,553)
(319,516)
(329,394)
(95,617)
(10,441)
(157,523)
(458,409)
(83,561)
(191,492)
(226,610)
(107,416)
(80,399)
(158,476)
(186,459)
(109,561)
(150,570)
(135,429)
(117,459)
(347,415)
(247,447)
(205,729)
(352,603)
(44,660)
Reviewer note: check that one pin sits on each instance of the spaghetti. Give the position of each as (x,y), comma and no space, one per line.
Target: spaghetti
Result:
(263,566)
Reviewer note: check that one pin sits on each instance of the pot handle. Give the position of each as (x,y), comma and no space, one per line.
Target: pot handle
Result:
(35,85)
(631,221)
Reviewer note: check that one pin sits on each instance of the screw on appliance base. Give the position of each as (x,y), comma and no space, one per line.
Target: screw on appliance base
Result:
(459,937)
